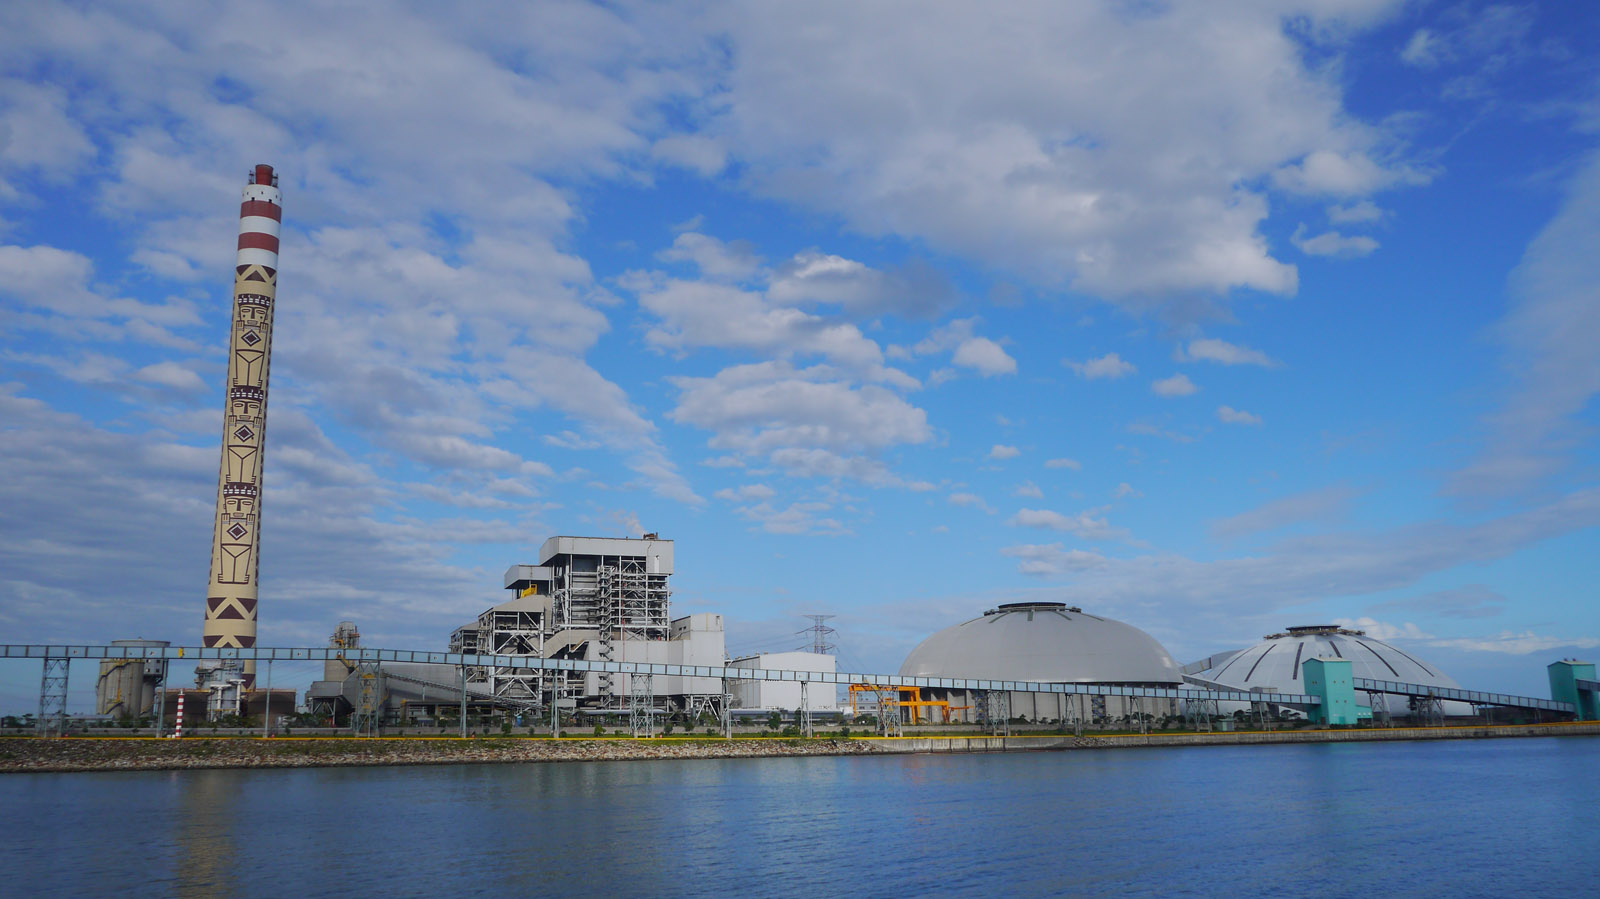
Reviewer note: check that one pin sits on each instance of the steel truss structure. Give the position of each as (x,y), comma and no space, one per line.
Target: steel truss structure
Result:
(641,705)
(1201,711)
(1476,697)
(56,657)
(364,721)
(803,714)
(512,632)
(991,710)
(52,718)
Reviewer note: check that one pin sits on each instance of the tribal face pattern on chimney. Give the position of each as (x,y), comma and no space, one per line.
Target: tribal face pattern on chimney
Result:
(236,540)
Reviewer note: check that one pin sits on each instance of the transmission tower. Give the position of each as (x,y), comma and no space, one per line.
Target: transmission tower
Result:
(820,634)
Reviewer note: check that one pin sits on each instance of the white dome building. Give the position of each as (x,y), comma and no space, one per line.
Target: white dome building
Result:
(1274,665)
(1048,642)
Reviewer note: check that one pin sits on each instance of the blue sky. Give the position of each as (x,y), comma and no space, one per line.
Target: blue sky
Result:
(1211,318)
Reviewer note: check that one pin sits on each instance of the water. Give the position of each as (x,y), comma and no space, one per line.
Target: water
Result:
(1469,818)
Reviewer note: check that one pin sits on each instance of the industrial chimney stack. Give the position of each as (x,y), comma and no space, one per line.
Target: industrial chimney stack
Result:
(236,539)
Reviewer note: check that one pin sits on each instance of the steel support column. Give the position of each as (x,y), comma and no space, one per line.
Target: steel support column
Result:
(266,710)
(804,714)
(369,699)
(52,719)
(160,704)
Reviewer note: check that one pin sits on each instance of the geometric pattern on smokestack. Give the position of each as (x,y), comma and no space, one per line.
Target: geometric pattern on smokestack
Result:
(231,600)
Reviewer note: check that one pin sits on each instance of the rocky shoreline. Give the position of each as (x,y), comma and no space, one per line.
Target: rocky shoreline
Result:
(19,755)
(74,754)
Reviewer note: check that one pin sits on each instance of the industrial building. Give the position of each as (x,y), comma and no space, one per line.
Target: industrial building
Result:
(785,695)
(1047,642)
(595,599)
(603,599)
(127,688)
(1274,665)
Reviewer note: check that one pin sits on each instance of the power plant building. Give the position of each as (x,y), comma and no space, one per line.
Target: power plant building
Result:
(599,599)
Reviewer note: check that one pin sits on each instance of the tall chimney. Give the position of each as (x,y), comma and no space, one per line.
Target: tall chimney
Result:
(236,539)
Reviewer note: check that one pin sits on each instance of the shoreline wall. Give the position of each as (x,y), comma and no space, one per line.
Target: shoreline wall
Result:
(88,754)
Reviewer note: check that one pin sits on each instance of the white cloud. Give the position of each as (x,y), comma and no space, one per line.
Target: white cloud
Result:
(571,440)
(1332,243)
(172,375)
(1323,505)
(1064,462)
(704,314)
(1209,349)
(984,356)
(1232,416)
(803,462)
(1549,337)
(1381,630)
(1028,489)
(1177,385)
(715,259)
(812,278)
(970,500)
(1133,192)
(1422,50)
(1329,172)
(796,518)
(1125,490)
(1517,643)
(745,493)
(1360,212)
(1002,451)
(38,133)
(1308,569)
(1051,560)
(1110,365)
(813,421)
(1084,524)
(697,153)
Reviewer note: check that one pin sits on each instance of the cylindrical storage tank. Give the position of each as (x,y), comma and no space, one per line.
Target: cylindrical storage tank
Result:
(126,688)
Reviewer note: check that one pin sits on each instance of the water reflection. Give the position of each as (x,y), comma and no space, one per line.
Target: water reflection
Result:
(1201,821)
(208,857)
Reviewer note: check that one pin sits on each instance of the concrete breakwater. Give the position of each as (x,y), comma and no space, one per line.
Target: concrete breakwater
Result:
(25,754)
(1049,742)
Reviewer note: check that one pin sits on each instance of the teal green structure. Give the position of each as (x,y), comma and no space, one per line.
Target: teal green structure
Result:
(1331,681)
(1564,677)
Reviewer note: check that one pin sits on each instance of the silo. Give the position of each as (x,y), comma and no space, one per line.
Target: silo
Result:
(127,687)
